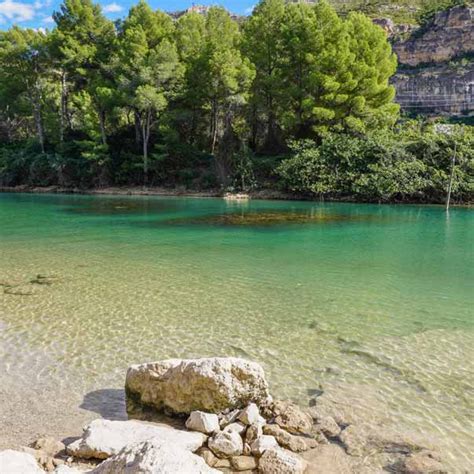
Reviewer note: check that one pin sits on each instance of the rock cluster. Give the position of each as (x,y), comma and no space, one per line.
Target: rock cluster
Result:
(249,433)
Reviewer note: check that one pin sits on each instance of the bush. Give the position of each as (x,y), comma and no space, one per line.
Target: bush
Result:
(407,165)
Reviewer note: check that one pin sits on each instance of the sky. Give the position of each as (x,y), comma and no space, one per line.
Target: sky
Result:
(37,13)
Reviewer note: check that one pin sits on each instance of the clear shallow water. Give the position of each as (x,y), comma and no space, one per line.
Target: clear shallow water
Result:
(366,302)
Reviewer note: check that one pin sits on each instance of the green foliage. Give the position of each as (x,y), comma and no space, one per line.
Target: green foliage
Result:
(430,8)
(206,101)
(409,164)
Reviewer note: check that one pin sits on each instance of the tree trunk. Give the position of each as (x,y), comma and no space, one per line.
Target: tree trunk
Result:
(146,128)
(214,122)
(102,126)
(38,116)
(63,114)
(137,129)
(451,177)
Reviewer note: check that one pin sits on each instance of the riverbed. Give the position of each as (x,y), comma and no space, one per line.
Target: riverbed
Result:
(369,303)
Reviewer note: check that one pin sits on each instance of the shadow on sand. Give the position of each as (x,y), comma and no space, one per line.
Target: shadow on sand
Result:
(109,403)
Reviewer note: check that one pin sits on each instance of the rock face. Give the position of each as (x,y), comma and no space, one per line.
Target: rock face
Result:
(438,90)
(450,34)
(13,462)
(154,457)
(104,438)
(281,461)
(182,386)
(427,81)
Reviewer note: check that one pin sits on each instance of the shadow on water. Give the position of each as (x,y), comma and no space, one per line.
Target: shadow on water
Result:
(270,218)
(110,207)
(108,403)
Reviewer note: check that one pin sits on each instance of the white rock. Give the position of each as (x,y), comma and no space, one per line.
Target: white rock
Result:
(182,386)
(236,427)
(281,461)
(262,444)
(104,438)
(65,469)
(204,422)
(226,444)
(250,415)
(16,462)
(154,457)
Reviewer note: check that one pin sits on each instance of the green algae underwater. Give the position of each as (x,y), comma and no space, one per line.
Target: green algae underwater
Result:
(364,302)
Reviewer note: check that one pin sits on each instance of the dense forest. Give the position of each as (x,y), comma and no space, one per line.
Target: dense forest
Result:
(295,97)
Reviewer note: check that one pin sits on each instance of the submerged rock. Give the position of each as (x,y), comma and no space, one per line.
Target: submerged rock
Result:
(154,457)
(104,438)
(17,462)
(292,418)
(424,462)
(184,385)
(328,426)
(292,442)
(328,459)
(281,461)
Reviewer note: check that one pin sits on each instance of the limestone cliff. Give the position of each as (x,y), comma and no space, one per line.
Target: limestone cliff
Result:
(436,65)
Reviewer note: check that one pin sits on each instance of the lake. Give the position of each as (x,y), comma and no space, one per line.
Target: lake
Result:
(371,303)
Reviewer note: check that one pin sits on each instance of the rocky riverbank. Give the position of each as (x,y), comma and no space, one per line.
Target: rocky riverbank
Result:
(217,415)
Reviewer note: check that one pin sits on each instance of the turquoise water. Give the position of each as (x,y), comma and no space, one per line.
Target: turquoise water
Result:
(348,299)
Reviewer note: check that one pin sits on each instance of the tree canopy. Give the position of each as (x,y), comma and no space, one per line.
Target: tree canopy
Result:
(150,98)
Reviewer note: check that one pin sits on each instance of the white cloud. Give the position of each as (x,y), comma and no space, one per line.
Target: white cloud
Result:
(48,19)
(16,11)
(112,8)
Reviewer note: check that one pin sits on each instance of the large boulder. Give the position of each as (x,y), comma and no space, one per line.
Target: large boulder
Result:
(16,462)
(182,386)
(104,438)
(154,457)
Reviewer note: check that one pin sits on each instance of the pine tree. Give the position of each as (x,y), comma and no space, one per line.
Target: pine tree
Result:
(262,45)
(148,68)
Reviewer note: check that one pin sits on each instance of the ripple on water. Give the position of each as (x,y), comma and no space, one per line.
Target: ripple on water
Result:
(360,315)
